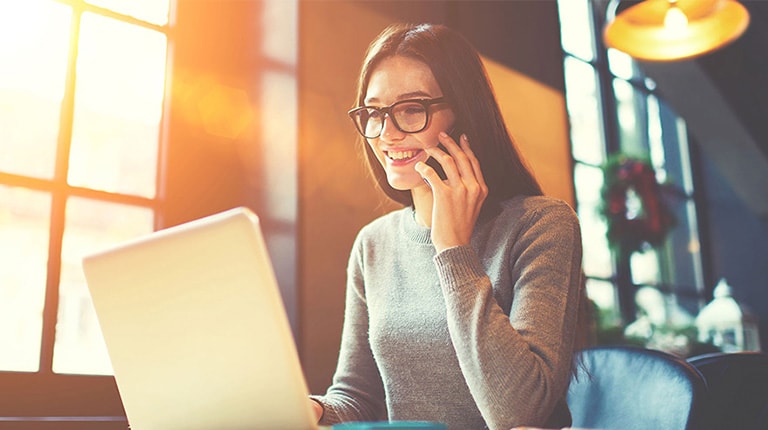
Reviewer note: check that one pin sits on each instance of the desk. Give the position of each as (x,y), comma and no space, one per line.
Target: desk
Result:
(66,423)
(72,423)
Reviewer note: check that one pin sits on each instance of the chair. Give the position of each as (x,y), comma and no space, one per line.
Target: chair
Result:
(737,396)
(631,388)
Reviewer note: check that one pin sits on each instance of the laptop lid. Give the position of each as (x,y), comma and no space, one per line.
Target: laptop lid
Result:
(196,330)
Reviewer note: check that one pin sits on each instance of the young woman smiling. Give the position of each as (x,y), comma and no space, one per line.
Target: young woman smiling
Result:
(463,307)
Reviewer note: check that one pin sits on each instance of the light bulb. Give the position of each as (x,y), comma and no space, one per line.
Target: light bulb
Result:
(675,20)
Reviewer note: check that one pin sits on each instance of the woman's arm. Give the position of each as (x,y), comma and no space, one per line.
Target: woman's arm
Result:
(357,393)
(518,366)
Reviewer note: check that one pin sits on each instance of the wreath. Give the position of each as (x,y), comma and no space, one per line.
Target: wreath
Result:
(633,204)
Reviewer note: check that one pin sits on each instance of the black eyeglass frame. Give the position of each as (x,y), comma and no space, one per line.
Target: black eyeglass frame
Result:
(385,111)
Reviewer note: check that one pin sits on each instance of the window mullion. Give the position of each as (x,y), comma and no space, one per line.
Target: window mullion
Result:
(605,86)
(59,200)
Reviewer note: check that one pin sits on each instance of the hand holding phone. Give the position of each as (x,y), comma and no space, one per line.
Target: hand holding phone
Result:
(458,196)
(455,134)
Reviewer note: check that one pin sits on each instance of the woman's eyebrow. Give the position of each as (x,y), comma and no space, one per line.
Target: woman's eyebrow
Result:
(413,94)
(404,96)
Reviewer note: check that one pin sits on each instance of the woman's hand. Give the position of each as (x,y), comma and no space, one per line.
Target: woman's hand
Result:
(456,201)
(317,408)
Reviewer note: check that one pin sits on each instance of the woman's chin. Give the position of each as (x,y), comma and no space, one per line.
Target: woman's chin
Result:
(405,183)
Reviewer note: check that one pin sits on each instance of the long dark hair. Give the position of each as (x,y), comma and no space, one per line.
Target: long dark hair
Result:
(461,75)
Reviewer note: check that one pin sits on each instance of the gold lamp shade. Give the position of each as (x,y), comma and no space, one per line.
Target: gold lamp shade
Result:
(666,30)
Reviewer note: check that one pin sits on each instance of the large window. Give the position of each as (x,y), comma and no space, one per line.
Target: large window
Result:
(82,86)
(613,109)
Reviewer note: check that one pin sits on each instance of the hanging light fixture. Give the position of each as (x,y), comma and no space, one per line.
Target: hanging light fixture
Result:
(666,30)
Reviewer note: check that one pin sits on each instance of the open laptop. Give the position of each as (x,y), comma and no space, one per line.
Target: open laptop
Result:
(196,329)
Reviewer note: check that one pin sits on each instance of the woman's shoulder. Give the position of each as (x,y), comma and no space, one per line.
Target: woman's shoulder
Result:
(539,217)
(536,206)
(523,213)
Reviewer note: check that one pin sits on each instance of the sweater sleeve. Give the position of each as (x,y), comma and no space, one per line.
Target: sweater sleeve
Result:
(517,367)
(357,393)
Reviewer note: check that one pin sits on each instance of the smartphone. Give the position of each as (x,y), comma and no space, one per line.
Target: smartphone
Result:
(431,162)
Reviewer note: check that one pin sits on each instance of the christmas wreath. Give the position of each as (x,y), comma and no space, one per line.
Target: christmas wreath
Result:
(633,204)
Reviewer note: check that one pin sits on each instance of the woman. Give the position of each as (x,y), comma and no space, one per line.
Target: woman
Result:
(462,307)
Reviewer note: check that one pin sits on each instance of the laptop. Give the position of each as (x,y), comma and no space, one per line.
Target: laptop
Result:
(196,329)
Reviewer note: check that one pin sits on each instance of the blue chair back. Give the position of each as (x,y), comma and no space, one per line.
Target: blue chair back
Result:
(630,388)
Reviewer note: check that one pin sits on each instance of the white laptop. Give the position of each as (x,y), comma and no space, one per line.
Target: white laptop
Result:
(196,329)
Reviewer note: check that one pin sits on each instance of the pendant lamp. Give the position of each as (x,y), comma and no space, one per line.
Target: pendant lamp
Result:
(667,30)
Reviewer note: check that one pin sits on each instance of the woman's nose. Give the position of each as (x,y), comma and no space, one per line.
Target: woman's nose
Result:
(390,133)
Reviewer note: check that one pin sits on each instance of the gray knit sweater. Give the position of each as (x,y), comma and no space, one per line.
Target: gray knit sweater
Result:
(476,336)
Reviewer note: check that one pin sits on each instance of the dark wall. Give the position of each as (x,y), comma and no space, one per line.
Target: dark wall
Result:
(740,70)
(523,35)
(738,245)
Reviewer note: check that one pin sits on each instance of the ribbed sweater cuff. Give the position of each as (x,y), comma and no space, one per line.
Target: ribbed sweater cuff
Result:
(458,266)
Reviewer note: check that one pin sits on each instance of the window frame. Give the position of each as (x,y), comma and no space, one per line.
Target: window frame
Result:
(608,105)
(45,393)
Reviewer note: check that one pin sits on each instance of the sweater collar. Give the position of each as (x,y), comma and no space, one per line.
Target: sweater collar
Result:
(422,235)
(412,230)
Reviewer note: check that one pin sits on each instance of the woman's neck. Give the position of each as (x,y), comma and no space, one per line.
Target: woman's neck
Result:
(422,205)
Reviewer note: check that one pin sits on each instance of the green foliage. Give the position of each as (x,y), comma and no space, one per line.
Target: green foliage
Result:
(634,204)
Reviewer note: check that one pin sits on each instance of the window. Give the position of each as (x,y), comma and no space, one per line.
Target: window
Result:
(612,109)
(82,86)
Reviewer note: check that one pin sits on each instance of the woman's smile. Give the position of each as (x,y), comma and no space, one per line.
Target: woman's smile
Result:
(400,157)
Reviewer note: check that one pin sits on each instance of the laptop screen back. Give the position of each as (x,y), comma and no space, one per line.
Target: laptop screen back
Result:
(196,329)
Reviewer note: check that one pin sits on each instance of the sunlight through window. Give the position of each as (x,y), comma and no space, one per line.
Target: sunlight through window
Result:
(23,254)
(33,60)
(154,11)
(118,105)
(91,225)
(117,94)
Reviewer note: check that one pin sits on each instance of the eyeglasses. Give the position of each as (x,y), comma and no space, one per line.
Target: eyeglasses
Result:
(408,116)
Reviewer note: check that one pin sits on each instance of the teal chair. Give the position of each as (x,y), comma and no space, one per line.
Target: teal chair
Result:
(630,388)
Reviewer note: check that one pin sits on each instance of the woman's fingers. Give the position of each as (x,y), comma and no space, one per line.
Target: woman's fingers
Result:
(460,165)
(457,201)
(428,173)
(453,160)
(461,161)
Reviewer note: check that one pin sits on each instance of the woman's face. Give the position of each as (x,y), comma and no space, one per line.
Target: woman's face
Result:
(402,78)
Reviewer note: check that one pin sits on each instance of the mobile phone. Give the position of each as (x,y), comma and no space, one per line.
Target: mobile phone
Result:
(455,133)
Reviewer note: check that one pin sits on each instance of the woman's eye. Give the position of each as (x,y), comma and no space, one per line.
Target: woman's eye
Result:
(374,114)
(413,110)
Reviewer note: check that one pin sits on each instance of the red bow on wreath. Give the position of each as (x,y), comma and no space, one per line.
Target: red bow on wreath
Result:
(634,205)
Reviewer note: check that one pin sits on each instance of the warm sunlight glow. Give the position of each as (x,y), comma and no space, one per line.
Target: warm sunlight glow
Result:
(33,58)
(221,110)
(118,95)
(23,245)
(118,106)
(91,226)
(34,35)
(119,68)
(225,111)
(154,11)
